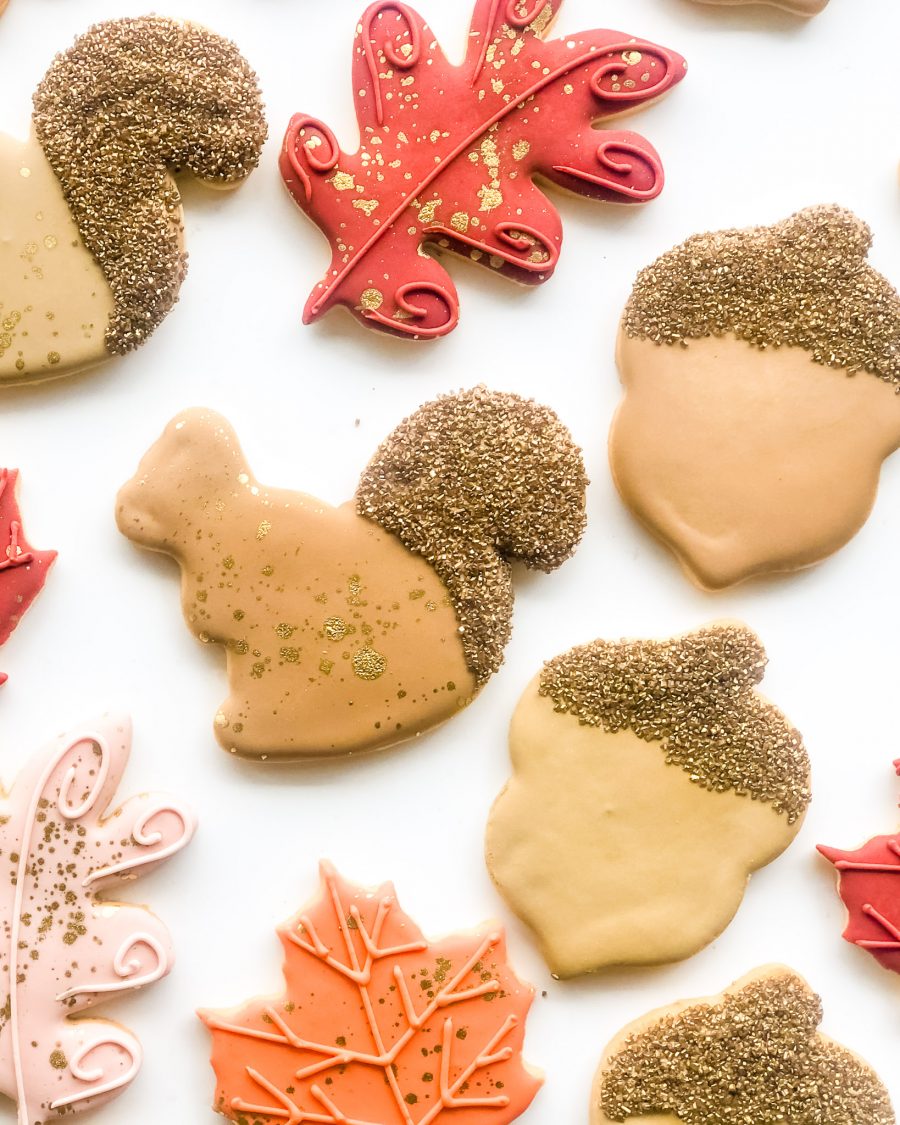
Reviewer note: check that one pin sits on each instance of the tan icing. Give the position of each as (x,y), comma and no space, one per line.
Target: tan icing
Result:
(798,7)
(54,299)
(746,461)
(612,856)
(339,640)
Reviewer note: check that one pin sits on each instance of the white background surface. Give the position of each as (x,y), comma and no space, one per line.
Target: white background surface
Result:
(776,113)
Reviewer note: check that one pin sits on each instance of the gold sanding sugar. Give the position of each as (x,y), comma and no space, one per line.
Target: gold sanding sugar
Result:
(695,696)
(471,481)
(755,1057)
(803,282)
(131,99)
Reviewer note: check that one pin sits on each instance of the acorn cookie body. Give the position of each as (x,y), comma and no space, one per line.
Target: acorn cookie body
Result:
(760,372)
(91,224)
(353,628)
(627,833)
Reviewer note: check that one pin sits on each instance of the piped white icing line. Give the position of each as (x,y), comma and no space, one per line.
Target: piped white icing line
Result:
(126,969)
(111,1038)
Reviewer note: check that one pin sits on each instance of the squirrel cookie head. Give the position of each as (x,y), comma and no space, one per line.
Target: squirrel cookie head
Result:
(353,628)
(91,225)
(761,370)
(751,1054)
(627,751)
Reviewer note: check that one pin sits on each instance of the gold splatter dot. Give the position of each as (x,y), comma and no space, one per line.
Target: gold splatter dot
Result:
(368,664)
(372,299)
(263,530)
(285,631)
(335,628)
(58,1060)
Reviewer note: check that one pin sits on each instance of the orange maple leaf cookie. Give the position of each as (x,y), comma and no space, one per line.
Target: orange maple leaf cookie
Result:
(760,370)
(91,225)
(523,107)
(650,779)
(354,628)
(751,1054)
(377,1025)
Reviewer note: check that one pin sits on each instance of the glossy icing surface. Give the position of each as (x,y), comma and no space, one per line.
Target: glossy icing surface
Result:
(377,1024)
(522,106)
(65,946)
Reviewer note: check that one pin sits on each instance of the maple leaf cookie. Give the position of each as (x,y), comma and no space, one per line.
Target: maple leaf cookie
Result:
(91,225)
(66,946)
(354,628)
(869,886)
(751,1054)
(464,181)
(797,7)
(760,370)
(377,1025)
(650,779)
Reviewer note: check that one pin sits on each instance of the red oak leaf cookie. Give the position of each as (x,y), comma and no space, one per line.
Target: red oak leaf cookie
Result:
(377,1026)
(522,106)
(23,570)
(869,885)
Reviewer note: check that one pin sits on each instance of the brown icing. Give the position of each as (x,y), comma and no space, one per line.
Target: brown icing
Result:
(338,638)
(746,460)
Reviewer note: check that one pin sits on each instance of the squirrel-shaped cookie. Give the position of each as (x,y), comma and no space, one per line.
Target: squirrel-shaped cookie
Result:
(91,225)
(752,1054)
(353,628)
(760,370)
(650,779)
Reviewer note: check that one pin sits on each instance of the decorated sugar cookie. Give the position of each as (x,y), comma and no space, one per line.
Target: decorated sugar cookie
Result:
(650,779)
(377,1024)
(91,226)
(522,106)
(869,886)
(23,570)
(797,7)
(66,944)
(353,628)
(751,1054)
(760,371)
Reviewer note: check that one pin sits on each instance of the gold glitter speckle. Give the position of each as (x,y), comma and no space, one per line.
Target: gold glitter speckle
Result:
(263,530)
(335,628)
(285,631)
(520,150)
(343,181)
(58,1060)
(372,299)
(368,664)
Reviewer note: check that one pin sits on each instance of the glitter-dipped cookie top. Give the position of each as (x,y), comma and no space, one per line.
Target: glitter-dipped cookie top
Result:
(523,106)
(624,752)
(91,232)
(752,1054)
(761,371)
(353,628)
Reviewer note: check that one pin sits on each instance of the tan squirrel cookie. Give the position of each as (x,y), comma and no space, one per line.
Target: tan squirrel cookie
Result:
(354,628)
(752,1054)
(91,224)
(797,7)
(649,780)
(760,370)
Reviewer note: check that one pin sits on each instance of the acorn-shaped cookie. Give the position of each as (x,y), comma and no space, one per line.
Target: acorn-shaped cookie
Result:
(354,628)
(650,779)
(752,1054)
(760,370)
(91,247)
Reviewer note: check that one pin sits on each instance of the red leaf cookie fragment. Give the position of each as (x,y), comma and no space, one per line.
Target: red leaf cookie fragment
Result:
(522,106)
(22,569)
(869,885)
(377,1025)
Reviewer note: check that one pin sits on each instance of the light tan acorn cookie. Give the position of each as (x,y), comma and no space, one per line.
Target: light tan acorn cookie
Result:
(797,7)
(751,1054)
(91,224)
(650,779)
(354,628)
(760,370)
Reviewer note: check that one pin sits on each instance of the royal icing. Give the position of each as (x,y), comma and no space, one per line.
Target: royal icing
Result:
(523,106)
(377,1024)
(65,946)
(798,7)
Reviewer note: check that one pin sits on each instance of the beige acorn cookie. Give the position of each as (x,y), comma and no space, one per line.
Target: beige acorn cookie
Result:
(353,628)
(797,7)
(91,224)
(650,779)
(752,1054)
(760,370)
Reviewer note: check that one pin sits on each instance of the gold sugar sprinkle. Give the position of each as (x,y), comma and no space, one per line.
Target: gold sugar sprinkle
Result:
(754,1057)
(130,100)
(803,282)
(368,664)
(472,481)
(694,694)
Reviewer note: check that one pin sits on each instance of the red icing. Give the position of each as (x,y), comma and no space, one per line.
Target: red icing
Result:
(465,143)
(869,884)
(23,569)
